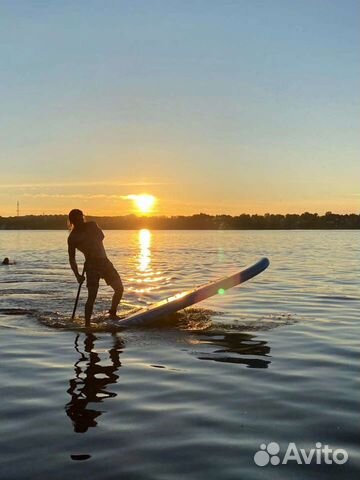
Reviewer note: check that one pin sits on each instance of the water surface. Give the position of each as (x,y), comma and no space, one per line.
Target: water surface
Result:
(275,360)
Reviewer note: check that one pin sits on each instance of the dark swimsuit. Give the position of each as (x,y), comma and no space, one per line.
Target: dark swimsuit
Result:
(97,268)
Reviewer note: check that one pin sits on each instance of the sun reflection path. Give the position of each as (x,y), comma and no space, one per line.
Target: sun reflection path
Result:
(147,279)
(145,250)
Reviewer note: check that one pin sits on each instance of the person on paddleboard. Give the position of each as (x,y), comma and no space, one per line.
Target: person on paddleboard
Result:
(88,238)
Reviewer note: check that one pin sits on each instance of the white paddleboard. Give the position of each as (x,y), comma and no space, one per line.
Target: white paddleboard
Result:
(186,299)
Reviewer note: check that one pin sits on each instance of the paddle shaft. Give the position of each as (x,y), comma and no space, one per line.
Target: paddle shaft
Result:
(77,296)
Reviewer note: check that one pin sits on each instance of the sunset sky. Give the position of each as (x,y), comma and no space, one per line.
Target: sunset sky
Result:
(247,106)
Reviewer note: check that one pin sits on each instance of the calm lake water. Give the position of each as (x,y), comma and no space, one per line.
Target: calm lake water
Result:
(275,360)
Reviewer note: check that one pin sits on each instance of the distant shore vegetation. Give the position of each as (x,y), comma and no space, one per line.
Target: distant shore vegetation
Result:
(200,221)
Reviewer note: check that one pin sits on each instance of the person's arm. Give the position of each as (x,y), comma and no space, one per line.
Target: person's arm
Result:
(73,264)
(99,232)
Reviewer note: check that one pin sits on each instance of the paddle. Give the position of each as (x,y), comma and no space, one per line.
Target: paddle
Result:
(78,295)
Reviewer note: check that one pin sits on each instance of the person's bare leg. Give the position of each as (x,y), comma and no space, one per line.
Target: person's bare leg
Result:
(89,305)
(118,288)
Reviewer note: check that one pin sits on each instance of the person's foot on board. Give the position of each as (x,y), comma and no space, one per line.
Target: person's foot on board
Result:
(113,315)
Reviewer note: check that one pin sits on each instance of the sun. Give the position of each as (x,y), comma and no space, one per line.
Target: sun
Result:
(144,203)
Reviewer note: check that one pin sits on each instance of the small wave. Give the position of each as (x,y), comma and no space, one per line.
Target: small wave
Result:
(190,319)
(264,323)
(200,319)
(17,311)
(342,298)
(234,347)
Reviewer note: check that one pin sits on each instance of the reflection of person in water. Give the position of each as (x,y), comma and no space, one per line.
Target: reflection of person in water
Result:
(90,382)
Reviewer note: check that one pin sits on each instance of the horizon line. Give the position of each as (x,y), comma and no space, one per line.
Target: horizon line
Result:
(180,215)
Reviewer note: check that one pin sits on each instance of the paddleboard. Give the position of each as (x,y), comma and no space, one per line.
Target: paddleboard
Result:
(182,300)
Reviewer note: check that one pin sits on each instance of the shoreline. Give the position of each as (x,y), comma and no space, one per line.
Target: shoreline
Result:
(202,221)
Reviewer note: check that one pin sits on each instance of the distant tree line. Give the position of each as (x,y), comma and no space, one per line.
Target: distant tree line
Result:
(200,221)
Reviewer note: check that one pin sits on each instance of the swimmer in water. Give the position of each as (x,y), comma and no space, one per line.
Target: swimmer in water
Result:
(7,261)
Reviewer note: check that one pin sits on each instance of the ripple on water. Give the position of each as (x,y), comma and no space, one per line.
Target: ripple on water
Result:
(194,395)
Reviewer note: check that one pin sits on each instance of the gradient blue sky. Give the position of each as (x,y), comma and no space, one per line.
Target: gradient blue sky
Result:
(213,106)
